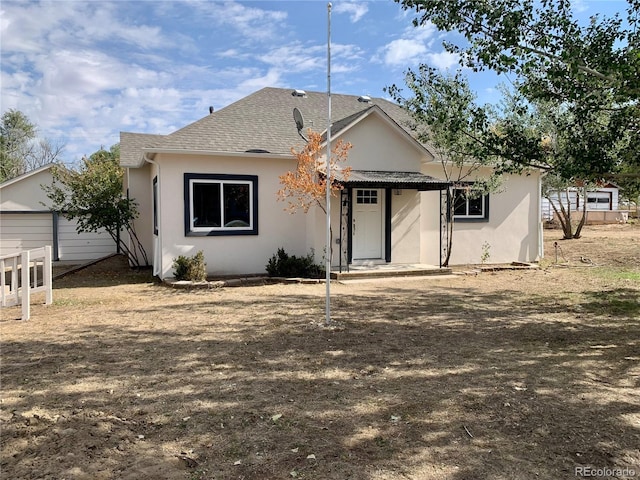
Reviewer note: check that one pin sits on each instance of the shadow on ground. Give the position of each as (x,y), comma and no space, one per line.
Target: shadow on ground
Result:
(407,383)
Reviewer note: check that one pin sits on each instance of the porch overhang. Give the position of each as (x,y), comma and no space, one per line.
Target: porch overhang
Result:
(400,180)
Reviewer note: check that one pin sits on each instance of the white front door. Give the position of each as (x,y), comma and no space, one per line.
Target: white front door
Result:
(366,228)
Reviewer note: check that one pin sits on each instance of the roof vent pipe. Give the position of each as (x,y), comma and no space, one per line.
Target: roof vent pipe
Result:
(210,110)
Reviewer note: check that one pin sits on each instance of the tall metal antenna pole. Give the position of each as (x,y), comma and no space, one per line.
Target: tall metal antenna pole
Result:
(327,320)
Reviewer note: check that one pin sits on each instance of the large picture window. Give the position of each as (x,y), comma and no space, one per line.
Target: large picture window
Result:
(221,204)
(469,205)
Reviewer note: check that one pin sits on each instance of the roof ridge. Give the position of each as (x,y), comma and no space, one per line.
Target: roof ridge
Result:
(263,121)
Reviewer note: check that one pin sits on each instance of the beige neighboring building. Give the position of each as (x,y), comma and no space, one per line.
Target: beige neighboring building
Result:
(211,186)
(27,222)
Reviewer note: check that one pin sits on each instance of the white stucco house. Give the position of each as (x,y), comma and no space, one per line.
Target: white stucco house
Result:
(27,222)
(212,186)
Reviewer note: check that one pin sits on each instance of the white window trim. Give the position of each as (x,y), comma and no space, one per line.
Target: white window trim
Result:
(221,179)
(195,229)
(481,216)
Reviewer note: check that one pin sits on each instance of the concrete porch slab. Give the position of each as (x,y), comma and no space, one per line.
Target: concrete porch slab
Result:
(388,270)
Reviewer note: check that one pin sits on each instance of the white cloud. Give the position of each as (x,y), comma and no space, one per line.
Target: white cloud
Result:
(253,23)
(579,6)
(71,24)
(403,52)
(83,70)
(232,53)
(346,51)
(269,79)
(410,49)
(423,33)
(356,10)
(295,57)
(87,68)
(443,60)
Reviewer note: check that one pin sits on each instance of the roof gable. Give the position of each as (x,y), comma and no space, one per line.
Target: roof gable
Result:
(342,126)
(26,175)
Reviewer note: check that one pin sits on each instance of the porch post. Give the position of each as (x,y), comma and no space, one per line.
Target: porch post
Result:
(55,218)
(341,227)
(388,195)
(440,243)
(350,226)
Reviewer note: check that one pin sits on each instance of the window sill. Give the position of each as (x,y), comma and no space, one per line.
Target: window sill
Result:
(221,233)
(470,220)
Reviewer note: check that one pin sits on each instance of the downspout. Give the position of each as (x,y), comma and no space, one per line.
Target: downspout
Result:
(157,247)
(440,232)
(540,229)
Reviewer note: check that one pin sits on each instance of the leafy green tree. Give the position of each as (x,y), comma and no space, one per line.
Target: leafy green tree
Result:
(574,112)
(20,149)
(629,183)
(570,151)
(541,39)
(592,71)
(93,196)
(444,115)
(512,137)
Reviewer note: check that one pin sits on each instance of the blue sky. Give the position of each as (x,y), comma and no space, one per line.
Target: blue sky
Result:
(84,70)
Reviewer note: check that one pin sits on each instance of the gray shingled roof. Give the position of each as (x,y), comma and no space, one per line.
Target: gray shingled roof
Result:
(131,145)
(261,122)
(377,179)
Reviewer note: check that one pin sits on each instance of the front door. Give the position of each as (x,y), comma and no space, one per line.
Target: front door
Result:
(366,228)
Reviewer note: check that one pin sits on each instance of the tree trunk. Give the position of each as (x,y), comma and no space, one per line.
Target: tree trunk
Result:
(131,253)
(450,217)
(563,214)
(568,231)
(449,243)
(583,219)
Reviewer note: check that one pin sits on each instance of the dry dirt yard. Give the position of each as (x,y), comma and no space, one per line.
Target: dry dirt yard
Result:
(503,375)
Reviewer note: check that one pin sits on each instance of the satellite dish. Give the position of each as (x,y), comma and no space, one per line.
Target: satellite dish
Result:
(297,117)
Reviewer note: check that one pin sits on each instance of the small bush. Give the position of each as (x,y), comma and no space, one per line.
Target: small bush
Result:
(486,254)
(281,264)
(190,268)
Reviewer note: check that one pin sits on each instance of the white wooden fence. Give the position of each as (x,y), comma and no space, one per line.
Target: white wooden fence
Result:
(19,278)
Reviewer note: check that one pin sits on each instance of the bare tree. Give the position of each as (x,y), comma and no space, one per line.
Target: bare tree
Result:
(20,148)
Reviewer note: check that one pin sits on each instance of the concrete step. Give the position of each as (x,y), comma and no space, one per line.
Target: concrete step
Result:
(386,273)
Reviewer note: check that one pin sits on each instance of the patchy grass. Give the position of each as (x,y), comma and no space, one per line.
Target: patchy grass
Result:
(504,375)
(618,274)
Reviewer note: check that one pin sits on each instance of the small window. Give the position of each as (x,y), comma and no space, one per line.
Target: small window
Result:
(221,204)
(470,206)
(367,197)
(155,205)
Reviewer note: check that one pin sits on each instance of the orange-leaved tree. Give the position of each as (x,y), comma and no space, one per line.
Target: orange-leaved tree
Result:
(306,185)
